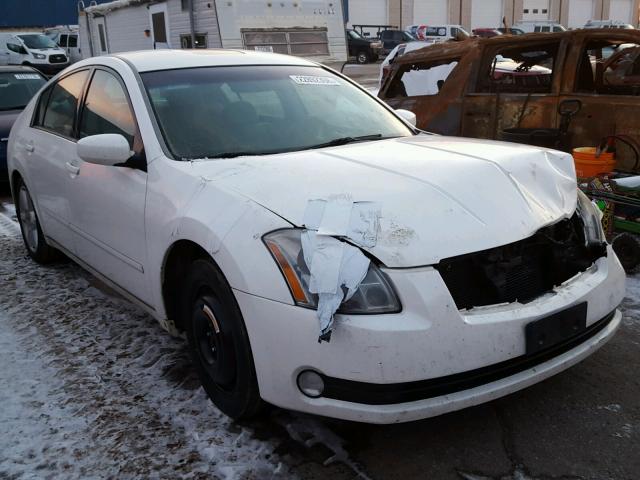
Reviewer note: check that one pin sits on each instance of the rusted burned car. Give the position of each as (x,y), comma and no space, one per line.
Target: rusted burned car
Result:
(484,86)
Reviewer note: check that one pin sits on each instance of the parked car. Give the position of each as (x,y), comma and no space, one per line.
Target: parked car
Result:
(363,49)
(33,49)
(438,33)
(510,31)
(486,32)
(392,38)
(246,198)
(577,65)
(17,86)
(539,26)
(608,24)
(66,37)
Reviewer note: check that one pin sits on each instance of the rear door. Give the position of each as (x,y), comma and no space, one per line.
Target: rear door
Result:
(517,87)
(50,146)
(605,77)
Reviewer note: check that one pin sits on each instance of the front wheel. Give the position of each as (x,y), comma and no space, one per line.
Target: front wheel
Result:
(218,342)
(362,57)
(30,227)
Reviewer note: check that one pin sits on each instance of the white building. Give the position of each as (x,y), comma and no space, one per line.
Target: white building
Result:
(309,28)
(576,13)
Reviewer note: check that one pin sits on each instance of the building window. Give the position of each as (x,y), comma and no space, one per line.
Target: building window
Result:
(526,10)
(185,5)
(200,38)
(302,42)
(535,10)
(544,10)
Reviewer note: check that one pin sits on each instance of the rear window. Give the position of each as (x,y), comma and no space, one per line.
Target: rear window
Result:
(17,88)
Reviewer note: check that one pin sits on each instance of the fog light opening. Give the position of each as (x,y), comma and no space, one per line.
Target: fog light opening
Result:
(310,383)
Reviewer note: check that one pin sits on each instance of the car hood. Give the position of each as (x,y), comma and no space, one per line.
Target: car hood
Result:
(7,119)
(438,197)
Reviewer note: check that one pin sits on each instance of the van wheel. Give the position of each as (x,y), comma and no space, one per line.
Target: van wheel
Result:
(362,57)
(32,235)
(218,342)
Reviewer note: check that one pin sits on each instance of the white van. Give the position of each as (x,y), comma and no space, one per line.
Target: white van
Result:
(34,49)
(539,26)
(66,37)
(438,33)
(609,24)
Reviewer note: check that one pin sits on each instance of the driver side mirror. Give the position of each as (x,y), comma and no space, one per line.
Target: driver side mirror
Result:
(107,149)
(407,116)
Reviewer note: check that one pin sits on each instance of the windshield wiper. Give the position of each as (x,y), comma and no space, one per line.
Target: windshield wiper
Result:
(346,140)
(238,154)
(17,107)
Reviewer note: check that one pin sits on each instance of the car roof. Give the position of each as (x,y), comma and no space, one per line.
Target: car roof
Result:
(152,60)
(477,44)
(18,69)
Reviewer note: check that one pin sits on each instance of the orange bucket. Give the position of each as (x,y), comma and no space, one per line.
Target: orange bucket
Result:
(588,165)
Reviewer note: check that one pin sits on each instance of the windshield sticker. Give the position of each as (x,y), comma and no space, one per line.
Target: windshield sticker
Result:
(311,80)
(27,76)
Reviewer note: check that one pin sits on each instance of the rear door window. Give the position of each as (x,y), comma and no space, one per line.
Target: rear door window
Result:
(523,69)
(609,67)
(60,113)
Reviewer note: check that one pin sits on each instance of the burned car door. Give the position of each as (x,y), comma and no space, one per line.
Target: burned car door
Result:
(517,86)
(432,89)
(606,79)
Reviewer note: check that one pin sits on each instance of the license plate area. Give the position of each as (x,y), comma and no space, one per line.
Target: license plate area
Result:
(554,329)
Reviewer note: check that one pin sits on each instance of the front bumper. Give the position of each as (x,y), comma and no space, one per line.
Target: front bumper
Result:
(430,340)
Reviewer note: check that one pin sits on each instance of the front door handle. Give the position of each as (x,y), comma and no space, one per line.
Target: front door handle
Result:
(29,147)
(72,169)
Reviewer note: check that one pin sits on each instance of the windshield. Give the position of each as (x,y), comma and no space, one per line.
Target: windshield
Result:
(17,88)
(355,35)
(231,111)
(37,41)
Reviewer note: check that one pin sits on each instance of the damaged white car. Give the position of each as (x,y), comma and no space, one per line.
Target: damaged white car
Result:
(319,253)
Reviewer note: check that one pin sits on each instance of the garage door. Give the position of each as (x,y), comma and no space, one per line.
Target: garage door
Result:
(487,14)
(621,10)
(368,12)
(430,12)
(580,12)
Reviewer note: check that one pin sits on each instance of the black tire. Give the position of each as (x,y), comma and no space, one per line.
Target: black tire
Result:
(218,342)
(627,248)
(36,246)
(362,57)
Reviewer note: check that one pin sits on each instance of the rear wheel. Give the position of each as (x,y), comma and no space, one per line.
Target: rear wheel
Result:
(218,342)
(30,227)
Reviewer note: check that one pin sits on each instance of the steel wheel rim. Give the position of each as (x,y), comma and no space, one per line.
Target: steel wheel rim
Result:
(28,219)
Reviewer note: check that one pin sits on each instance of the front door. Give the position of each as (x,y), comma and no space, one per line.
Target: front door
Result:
(107,202)
(159,26)
(52,144)
(517,87)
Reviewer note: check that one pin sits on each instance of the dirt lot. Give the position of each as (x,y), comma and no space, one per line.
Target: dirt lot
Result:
(91,387)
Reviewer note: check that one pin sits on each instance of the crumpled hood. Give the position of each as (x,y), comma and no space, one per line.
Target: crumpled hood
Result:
(439,197)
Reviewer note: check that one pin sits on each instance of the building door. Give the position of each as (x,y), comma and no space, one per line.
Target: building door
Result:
(487,14)
(621,10)
(159,25)
(101,34)
(368,12)
(431,12)
(580,12)
(535,10)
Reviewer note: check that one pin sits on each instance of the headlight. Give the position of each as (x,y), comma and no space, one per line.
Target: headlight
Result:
(39,56)
(374,295)
(591,218)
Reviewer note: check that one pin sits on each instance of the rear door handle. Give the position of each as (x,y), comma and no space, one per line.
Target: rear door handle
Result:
(29,147)
(72,169)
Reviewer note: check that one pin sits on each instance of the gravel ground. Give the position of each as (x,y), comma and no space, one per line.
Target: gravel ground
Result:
(92,387)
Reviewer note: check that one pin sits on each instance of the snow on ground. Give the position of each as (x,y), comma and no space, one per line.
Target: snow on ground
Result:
(92,387)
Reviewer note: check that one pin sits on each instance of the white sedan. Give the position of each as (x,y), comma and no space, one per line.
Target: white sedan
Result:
(318,252)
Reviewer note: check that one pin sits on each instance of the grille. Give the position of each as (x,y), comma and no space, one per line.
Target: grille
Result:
(520,271)
(57,58)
